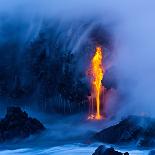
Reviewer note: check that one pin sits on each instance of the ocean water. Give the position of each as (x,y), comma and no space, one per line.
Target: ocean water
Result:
(64,136)
(73,149)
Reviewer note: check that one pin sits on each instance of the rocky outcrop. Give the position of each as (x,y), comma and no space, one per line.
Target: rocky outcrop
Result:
(137,129)
(17,124)
(152,152)
(102,150)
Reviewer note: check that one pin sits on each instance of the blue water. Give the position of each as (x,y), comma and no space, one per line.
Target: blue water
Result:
(64,136)
(74,149)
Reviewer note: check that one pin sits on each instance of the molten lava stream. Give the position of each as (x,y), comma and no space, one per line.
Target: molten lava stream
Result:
(96,73)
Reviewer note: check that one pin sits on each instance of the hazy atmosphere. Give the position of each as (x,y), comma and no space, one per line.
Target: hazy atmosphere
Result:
(73,73)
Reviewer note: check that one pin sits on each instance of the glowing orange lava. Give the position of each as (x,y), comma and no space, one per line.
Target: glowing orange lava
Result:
(96,74)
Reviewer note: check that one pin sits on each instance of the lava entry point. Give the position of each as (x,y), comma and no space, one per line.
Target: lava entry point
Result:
(95,118)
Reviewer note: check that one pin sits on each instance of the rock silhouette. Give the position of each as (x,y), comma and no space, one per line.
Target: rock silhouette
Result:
(17,124)
(102,150)
(137,129)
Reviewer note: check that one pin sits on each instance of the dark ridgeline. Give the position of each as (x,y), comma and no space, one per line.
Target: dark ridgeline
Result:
(17,125)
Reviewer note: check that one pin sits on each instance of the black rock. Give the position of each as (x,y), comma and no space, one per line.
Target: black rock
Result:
(101,150)
(17,124)
(137,129)
(152,152)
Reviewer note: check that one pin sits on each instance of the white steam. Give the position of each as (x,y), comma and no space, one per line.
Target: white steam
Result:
(133,28)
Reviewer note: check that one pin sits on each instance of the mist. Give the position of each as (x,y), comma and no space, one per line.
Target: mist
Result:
(135,57)
(131,25)
(46,48)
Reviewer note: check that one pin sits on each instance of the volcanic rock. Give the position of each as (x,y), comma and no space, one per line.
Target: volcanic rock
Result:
(101,150)
(17,124)
(137,129)
(152,152)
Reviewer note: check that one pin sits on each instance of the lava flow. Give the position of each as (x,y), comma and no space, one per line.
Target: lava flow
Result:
(96,73)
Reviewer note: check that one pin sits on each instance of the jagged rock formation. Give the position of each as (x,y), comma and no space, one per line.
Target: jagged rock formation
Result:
(102,150)
(17,124)
(134,129)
